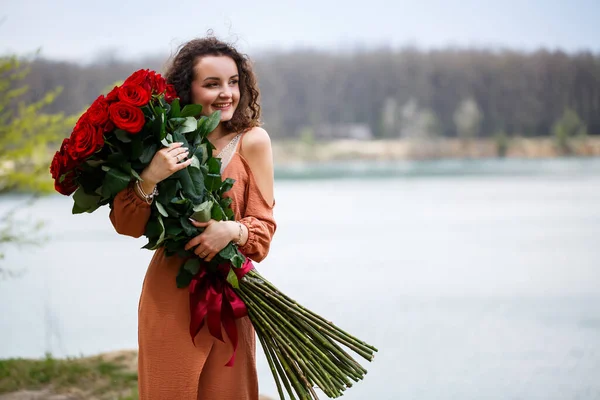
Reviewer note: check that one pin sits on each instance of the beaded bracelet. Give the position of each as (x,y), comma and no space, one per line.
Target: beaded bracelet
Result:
(239,241)
(147,197)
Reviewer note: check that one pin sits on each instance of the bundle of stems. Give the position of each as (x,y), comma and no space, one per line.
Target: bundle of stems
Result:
(302,348)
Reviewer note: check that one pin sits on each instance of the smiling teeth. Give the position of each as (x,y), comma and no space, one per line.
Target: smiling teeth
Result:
(222,105)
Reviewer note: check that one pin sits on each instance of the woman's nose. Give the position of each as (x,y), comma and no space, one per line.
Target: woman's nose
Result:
(226,92)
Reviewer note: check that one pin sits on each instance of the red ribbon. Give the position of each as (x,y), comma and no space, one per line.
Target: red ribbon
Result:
(212,299)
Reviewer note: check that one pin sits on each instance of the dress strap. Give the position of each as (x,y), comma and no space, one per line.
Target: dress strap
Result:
(242,139)
(228,151)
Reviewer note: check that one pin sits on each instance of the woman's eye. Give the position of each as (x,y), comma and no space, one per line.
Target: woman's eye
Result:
(234,82)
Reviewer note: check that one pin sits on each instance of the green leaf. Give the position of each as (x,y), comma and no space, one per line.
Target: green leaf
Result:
(188,126)
(214,166)
(84,202)
(78,209)
(228,252)
(191,110)
(195,162)
(226,185)
(116,159)
(148,153)
(136,175)
(229,213)
(167,190)
(192,265)
(161,209)
(217,213)
(212,122)
(177,121)
(151,245)
(163,121)
(183,278)
(175,109)
(238,260)
(173,228)
(225,202)
(201,153)
(202,211)
(179,201)
(114,181)
(162,233)
(153,229)
(232,279)
(213,181)
(190,190)
(188,228)
(137,147)
(200,126)
(197,180)
(122,136)
(158,124)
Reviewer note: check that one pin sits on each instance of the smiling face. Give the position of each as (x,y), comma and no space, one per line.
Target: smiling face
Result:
(216,86)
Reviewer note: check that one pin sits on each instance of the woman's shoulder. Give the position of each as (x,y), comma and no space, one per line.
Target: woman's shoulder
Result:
(256,151)
(255,140)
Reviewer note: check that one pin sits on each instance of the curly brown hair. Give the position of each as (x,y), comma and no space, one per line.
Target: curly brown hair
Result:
(180,74)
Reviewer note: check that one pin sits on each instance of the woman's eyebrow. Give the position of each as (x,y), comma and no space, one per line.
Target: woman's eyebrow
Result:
(217,79)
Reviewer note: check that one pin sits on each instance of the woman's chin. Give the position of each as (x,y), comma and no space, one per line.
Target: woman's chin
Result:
(226,115)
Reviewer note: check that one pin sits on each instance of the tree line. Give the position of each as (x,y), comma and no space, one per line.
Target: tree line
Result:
(404,93)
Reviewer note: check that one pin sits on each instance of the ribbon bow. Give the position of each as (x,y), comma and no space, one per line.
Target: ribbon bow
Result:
(212,299)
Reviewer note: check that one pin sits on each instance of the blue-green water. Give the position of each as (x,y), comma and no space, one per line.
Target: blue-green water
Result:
(476,280)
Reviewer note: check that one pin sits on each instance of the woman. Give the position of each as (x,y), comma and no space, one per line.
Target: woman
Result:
(213,74)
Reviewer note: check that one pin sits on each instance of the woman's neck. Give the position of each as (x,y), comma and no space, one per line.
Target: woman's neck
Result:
(218,133)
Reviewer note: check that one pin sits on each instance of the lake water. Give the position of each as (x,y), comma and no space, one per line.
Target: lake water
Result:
(475,279)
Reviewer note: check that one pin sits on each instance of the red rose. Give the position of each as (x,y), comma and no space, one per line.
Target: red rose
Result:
(67,186)
(68,163)
(126,117)
(134,95)
(56,168)
(158,83)
(113,95)
(85,139)
(98,112)
(170,94)
(140,78)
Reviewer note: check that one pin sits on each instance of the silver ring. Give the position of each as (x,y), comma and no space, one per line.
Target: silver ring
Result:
(178,160)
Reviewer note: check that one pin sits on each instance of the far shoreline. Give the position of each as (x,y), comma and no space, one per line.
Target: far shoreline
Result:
(293,152)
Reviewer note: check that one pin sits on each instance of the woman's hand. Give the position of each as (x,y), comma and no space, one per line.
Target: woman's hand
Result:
(216,235)
(165,163)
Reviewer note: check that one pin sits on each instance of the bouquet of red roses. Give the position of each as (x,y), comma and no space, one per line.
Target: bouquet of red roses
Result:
(113,141)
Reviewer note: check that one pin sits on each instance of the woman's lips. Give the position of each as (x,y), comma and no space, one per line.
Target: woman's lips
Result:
(222,106)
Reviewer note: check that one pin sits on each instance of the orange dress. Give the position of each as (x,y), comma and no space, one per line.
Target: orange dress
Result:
(170,366)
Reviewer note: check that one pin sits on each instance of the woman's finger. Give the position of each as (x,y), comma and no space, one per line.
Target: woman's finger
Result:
(173,146)
(201,251)
(183,165)
(193,243)
(179,151)
(177,158)
(199,224)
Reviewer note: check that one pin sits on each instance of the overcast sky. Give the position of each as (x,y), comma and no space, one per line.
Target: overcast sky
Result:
(79,29)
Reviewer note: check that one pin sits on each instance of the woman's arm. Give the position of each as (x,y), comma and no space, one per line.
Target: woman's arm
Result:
(129,213)
(258,222)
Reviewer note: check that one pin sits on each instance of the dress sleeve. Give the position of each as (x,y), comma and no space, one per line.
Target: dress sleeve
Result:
(129,214)
(261,225)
